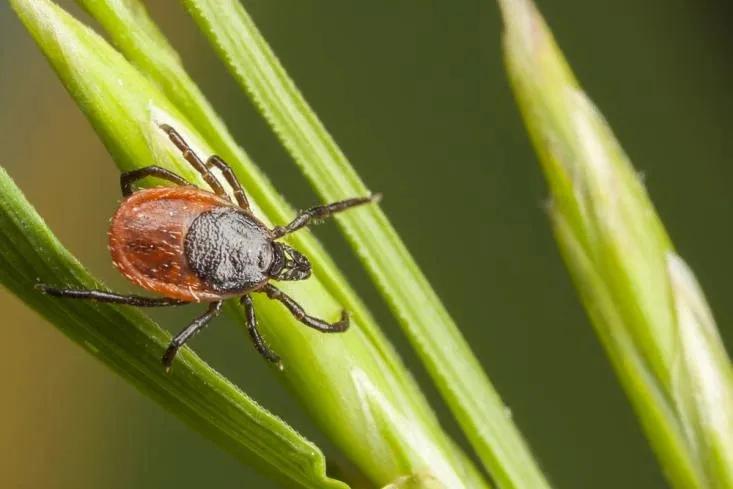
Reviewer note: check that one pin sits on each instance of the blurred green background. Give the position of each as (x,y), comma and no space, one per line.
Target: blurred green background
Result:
(416,95)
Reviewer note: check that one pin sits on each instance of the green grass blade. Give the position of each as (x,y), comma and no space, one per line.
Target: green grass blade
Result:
(131,345)
(381,414)
(431,330)
(645,304)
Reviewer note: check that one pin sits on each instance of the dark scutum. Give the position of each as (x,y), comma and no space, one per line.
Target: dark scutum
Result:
(229,250)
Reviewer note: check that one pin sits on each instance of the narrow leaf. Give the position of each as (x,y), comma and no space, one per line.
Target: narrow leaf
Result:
(433,334)
(645,304)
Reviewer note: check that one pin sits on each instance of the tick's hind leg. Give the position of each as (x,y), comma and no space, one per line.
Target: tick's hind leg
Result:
(297,311)
(321,212)
(194,160)
(130,177)
(197,325)
(257,339)
(110,297)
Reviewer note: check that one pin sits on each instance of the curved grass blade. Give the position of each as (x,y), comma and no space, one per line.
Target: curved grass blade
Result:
(432,332)
(380,411)
(131,345)
(645,304)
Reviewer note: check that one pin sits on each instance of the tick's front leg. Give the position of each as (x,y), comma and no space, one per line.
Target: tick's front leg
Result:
(320,212)
(299,314)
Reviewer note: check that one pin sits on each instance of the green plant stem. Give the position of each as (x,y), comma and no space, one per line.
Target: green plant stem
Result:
(433,334)
(643,300)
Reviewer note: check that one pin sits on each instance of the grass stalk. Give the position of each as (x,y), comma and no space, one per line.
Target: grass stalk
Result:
(432,332)
(647,308)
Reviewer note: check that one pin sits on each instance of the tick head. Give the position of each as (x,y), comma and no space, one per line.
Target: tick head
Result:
(289,264)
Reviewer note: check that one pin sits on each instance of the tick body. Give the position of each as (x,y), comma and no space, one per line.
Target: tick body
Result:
(190,245)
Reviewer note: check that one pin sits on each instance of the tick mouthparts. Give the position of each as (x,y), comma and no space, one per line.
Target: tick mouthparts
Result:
(289,264)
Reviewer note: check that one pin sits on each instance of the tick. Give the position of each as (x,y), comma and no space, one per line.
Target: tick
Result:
(191,245)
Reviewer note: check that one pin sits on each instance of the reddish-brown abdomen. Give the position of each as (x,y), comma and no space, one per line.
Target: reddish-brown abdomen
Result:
(146,240)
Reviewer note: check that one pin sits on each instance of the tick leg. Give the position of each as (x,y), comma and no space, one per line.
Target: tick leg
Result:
(257,339)
(109,297)
(130,177)
(226,170)
(320,212)
(188,332)
(299,314)
(194,160)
